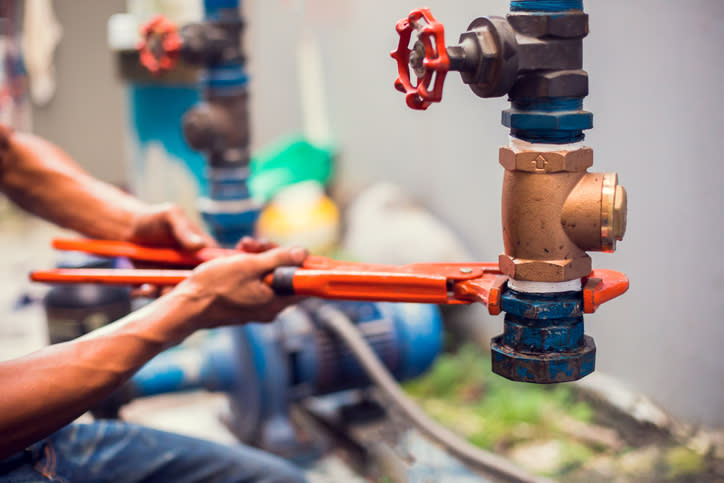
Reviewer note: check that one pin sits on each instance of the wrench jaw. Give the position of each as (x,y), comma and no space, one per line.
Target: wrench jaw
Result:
(487,290)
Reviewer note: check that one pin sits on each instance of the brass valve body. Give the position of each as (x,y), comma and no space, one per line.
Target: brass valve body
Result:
(554,211)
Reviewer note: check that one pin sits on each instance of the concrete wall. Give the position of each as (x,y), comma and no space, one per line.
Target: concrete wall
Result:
(656,76)
(86,115)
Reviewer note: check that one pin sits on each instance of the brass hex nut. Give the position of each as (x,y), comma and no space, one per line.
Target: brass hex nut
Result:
(545,270)
(546,162)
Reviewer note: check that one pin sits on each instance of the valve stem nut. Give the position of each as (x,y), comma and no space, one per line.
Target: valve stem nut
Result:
(491,56)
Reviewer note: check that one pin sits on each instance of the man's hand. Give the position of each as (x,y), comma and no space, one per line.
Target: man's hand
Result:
(45,390)
(232,289)
(166,225)
(43,179)
(5,133)
(245,245)
(255,245)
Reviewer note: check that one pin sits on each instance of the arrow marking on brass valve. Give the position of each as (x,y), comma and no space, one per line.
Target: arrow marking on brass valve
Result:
(541,163)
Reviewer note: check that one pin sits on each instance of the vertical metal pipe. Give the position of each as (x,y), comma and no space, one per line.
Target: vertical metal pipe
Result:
(230,211)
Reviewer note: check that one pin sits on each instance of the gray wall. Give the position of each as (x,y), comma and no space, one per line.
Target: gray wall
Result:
(656,75)
(86,115)
(659,116)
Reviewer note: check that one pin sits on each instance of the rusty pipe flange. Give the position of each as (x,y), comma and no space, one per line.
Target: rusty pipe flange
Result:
(543,340)
(545,368)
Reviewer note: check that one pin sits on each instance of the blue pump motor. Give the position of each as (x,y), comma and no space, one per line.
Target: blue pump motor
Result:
(265,368)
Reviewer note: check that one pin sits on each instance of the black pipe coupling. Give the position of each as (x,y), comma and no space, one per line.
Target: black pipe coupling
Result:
(219,128)
(212,42)
(524,55)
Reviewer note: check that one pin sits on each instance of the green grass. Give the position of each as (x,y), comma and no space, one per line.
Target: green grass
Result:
(682,461)
(508,417)
(492,412)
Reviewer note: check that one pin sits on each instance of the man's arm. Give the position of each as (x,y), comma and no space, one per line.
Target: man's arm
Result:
(49,388)
(42,179)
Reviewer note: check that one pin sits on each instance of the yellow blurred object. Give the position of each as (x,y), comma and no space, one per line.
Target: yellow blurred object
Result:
(302,215)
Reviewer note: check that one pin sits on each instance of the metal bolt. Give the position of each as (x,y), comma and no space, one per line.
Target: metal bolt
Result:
(466,270)
(417,58)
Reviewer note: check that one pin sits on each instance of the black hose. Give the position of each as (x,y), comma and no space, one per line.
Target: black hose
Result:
(482,460)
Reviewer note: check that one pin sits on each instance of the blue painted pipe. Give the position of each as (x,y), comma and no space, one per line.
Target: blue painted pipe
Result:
(213,368)
(229,211)
(224,77)
(215,10)
(545,6)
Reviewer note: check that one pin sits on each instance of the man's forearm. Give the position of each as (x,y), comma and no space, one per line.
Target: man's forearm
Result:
(51,387)
(42,179)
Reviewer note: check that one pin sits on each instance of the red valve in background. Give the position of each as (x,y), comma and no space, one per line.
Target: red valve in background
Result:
(435,61)
(160,47)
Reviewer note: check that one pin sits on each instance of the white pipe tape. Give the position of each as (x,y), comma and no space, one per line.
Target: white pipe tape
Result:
(207,205)
(545,287)
(519,145)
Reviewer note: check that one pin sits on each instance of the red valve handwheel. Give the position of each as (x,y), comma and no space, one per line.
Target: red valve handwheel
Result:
(160,46)
(436,62)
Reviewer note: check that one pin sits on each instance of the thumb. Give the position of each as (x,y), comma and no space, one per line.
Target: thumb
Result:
(184,231)
(5,134)
(276,257)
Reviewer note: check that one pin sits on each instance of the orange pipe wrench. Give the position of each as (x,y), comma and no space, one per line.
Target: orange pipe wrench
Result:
(438,283)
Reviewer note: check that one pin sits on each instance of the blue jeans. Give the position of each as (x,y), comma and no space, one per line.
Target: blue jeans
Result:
(114,451)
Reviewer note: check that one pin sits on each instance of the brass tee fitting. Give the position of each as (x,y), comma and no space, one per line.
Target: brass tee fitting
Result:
(554,211)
